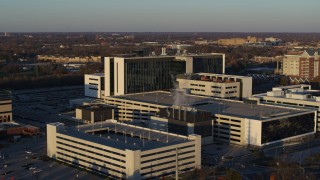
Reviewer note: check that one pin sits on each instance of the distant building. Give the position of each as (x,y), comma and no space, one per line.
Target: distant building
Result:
(94,85)
(216,85)
(122,151)
(201,42)
(272,39)
(139,74)
(10,129)
(236,41)
(303,65)
(62,59)
(5,110)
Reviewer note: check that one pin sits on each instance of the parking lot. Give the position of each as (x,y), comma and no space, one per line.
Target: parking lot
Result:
(25,159)
(42,106)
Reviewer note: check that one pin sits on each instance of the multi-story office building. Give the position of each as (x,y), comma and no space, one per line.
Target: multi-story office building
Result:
(295,95)
(216,85)
(230,121)
(303,65)
(259,125)
(124,75)
(94,85)
(123,151)
(5,110)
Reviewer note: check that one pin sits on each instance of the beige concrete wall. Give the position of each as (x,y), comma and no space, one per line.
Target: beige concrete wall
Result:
(133,163)
(89,83)
(51,141)
(291,65)
(107,73)
(252,132)
(125,163)
(79,113)
(5,110)
(119,76)
(206,88)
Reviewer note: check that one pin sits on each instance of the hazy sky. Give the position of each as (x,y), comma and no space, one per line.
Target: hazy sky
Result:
(160,15)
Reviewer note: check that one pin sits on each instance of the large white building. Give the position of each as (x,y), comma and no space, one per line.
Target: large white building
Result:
(237,122)
(216,85)
(123,151)
(300,95)
(124,75)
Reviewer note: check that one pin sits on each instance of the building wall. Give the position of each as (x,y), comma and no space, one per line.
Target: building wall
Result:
(209,88)
(128,110)
(119,76)
(61,59)
(134,75)
(5,110)
(252,132)
(243,90)
(128,164)
(229,129)
(295,102)
(93,86)
(163,161)
(303,65)
(108,79)
(291,65)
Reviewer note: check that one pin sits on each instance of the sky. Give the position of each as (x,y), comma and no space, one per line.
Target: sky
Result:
(159,16)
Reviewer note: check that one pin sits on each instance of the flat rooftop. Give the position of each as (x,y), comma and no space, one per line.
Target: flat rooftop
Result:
(213,105)
(250,111)
(124,136)
(173,56)
(165,98)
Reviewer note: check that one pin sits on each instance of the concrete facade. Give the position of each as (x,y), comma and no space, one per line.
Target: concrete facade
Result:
(5,110)
(94,85)
(295,95)
(303,65)
(94,113)
(122,150)
(231,121)
(141,74)
(216,85)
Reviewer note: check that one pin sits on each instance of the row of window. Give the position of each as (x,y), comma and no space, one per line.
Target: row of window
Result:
(112,152)
(202,90)
(91,158)
(85,150)
(76,161)
(93,79)
(217,92)
(170,167)
(165,151)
